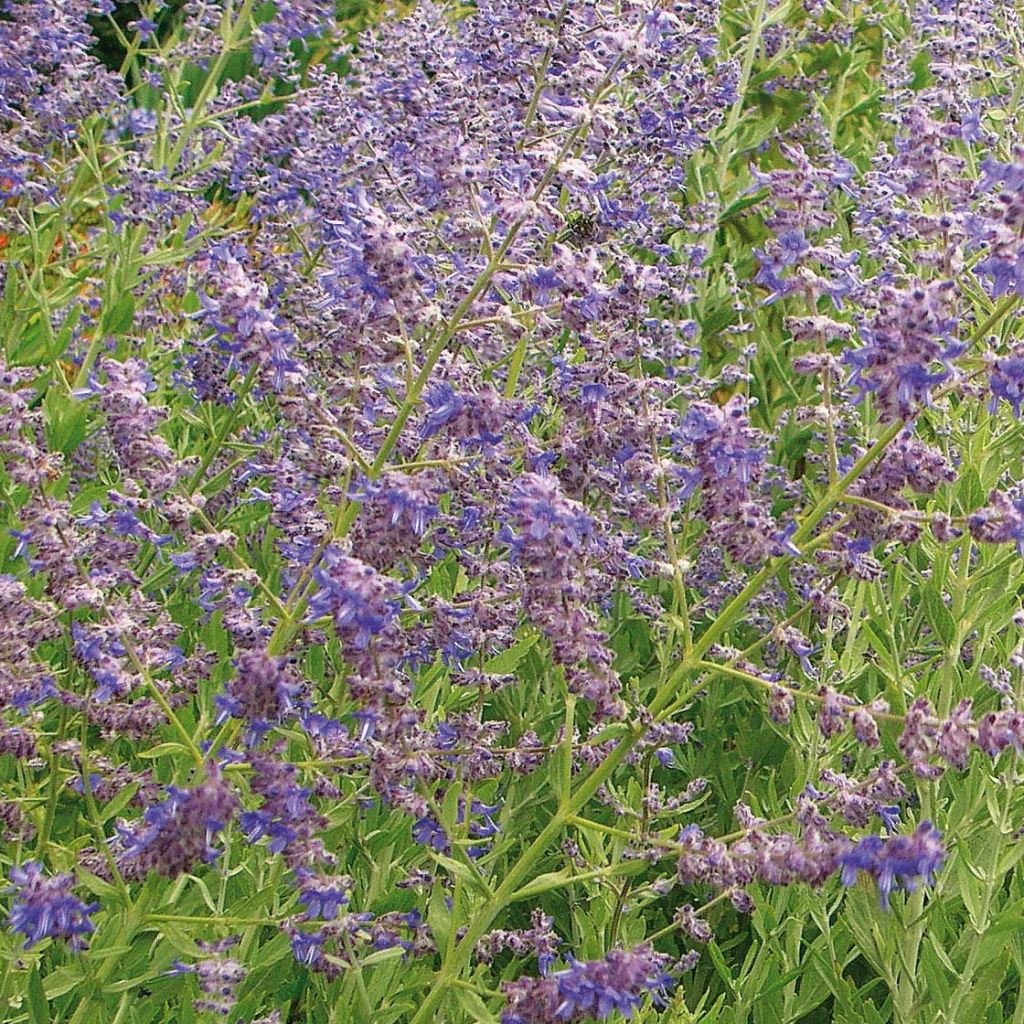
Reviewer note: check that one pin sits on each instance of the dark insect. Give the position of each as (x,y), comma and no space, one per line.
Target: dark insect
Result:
(579,228)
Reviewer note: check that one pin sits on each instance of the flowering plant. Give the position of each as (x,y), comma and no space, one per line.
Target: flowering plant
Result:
(511,513)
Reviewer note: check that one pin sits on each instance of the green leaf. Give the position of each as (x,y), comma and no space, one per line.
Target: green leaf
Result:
(62,980)
(738,206)
(35,999)
(98,886)
(474,1006)
(120,802)
(987,988)
(939,616)
(450,808)
(970,493)
(721,966)
(462,872)
(439,918)
(383,956)
(163,750)
(66,419)
(508,661)
(121,316)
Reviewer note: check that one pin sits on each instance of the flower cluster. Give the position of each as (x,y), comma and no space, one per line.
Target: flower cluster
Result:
(218,977)
(591,990)
(897,861)
(46,908)
(176,834)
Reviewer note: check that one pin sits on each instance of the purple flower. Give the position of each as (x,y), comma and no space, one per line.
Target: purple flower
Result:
(428,831)
(1006,379)
(45,908)
(322,896)
(361,600)
(176,835)
(218,976)
(589,991)
(897,861)
(144,26)
(908,348)
(307,947)
(262,691)
(1001,522)
(545,516)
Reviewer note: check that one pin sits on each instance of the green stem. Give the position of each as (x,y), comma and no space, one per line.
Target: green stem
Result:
(517,873)
(993,881)
(736,111)
(53,791)
(225,428)
(210,83)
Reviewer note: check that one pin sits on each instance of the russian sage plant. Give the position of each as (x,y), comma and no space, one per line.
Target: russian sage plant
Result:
(511,512)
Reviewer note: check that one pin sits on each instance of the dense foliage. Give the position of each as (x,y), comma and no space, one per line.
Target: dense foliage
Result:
(511,512)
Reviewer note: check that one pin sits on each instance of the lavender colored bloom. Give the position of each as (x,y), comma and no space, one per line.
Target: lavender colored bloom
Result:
(45,908)
(589,991)
(322,895)
(730,461)
(176,835)
(897,861)
(956,736)
(998,229)
(695,927)
(307,947)
(908,348)
(545,517)
(665,757)
(780,704)
(145,27)
(429,832)
(286,816)
(1006,379)
(361,601)
(551,537)
(218,975)
(262,690)
(1001,522)
(539,939)
(833,712)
